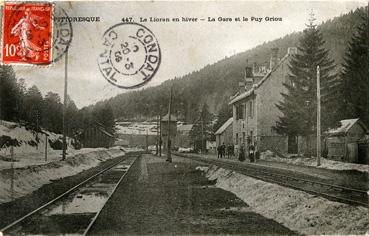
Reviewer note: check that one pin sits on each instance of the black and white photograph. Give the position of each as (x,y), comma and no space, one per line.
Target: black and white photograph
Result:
(145,117)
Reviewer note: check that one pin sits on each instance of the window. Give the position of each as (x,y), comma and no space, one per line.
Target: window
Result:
(251,109)
(251,137)
(240,111)
(236,138)
(243,137)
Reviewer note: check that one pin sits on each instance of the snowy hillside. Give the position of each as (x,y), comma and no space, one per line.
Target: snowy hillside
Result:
(137,128)
(28,145)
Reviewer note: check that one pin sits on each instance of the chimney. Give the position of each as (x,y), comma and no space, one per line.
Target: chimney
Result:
(248,72)
(292,50)
(249,78)
(255,68)
(274,58)
(249,83)
(241,86)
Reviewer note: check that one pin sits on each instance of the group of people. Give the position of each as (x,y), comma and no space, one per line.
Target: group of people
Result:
(222,150)
(252,154)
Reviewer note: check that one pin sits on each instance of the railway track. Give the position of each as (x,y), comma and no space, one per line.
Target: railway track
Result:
(293,180)
(75,210)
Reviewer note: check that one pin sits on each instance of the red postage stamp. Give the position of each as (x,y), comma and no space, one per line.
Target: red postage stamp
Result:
(27,33)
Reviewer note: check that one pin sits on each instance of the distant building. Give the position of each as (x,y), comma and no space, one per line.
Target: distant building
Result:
(348,142)
(254,106)
(211,146)
(225,133)
(182,138)
(97,136)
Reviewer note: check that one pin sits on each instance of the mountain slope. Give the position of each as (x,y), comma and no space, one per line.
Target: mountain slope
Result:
(214,83)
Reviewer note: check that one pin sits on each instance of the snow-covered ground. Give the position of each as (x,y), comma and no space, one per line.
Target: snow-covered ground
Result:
(325,163)
(29,151)
(29,178)
(297,210)
(141,128)
(31,170)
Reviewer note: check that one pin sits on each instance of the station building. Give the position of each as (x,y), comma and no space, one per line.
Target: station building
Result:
(254,106)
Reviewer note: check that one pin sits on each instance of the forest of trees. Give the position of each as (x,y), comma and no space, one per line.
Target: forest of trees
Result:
(29,107)
(205,94)
(215,83)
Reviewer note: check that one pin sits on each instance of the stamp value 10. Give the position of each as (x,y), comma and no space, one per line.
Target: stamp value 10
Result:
(27,33)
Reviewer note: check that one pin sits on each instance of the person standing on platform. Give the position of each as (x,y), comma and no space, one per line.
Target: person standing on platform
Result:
(241,155)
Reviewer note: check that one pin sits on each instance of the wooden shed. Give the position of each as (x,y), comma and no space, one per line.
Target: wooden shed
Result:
(343,142)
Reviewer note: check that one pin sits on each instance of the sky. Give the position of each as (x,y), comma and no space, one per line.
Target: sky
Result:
(185,46)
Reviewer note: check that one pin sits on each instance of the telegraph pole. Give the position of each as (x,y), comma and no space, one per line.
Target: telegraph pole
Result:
(157,135)
(37,127)
(46,140)
(160,137)
(65,105)
(147,140)
(318,115)
(169,156)
(202,135)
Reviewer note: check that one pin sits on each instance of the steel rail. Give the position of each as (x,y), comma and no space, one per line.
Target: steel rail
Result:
(60,196)
(251,167)
(111,194)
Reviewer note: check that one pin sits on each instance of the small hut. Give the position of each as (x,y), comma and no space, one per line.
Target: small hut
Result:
(342,142)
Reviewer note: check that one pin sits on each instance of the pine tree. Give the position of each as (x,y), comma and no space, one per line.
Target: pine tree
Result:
(8,94)
(355,80)
(299,105)
(224,114)
(202,129)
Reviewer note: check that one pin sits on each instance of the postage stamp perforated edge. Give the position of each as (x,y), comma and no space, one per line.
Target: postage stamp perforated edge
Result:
(2,15)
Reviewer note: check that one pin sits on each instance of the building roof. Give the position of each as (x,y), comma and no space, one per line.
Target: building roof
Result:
(224,126)
(172,118)
(346,125)
(185,128)
(102,130)
(257,85)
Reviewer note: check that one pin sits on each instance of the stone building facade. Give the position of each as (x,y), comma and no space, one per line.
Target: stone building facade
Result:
(254,107)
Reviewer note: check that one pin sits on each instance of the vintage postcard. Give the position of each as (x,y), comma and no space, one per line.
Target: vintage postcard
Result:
(184,117)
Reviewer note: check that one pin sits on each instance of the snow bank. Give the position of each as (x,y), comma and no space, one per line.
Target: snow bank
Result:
(305,161)
(297,210)
(30,146)
(30,178)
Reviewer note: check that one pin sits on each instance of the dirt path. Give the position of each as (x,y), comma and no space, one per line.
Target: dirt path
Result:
(175,198)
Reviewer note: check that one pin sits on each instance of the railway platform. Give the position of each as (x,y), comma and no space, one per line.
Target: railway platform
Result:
(157,197)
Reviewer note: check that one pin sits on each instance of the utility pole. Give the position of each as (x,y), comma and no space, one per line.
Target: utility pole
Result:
(157,135)
(160,135)
(12,173)
(65,105)
(147,140)
(169,156)
(318,139)
(37,127)
(202,135)
(46,140)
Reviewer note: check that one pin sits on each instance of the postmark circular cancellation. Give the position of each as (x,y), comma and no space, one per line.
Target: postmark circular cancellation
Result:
(131,55)
(62,34)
